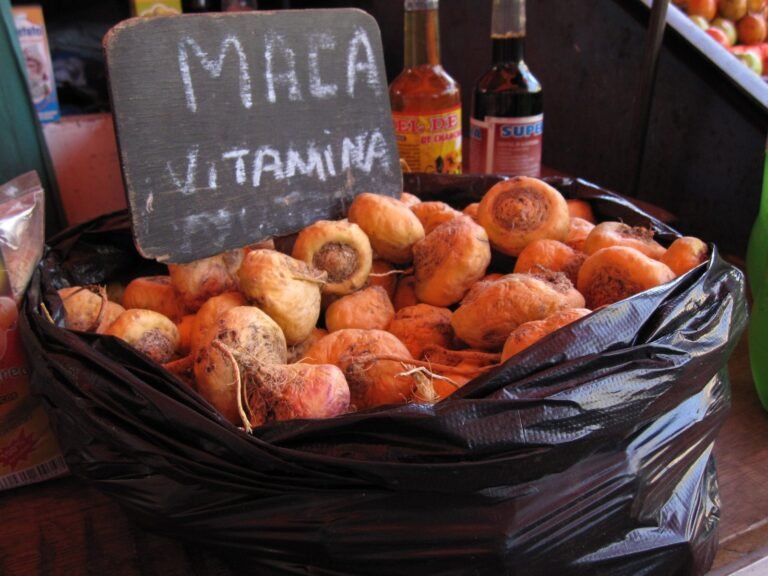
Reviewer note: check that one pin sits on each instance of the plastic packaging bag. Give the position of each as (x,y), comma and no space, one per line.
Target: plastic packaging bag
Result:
(28,449)
(589,453)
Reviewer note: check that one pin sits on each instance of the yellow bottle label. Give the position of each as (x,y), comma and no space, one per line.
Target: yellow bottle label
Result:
(430,142)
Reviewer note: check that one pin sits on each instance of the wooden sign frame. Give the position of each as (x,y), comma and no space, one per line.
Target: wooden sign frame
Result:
(236,127)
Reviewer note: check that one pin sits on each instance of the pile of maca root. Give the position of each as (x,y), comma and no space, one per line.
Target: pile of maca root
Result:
(393,304)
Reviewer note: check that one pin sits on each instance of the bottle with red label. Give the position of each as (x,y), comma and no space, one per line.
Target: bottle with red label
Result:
(507,119)
(425,99)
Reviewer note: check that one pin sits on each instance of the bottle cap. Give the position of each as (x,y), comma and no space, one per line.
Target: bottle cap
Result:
(413,5)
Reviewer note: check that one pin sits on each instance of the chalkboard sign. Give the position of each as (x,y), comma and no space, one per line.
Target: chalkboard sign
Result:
(236,127)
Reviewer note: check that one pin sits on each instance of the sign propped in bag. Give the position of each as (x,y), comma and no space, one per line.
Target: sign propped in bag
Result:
(233,128)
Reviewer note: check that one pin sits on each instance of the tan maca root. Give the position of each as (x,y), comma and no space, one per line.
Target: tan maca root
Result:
(390,225)
(199,280)
(610,233)
(341,248)
(241,338)
(148,331)
(286,288)
(491,310)
(88,309)
(449,260)
(517,211)
(368,308)
(617,272)
(531,332)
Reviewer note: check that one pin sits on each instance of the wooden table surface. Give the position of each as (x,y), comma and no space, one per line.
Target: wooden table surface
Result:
(64,527)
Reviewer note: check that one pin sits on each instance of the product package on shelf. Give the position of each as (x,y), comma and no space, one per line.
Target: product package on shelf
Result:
(29,452)
(33,38)
(589,452)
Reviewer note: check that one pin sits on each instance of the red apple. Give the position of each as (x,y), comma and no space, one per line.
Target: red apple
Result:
(718,36)
(700,21)
(752,60)
(751,29)
(728,27)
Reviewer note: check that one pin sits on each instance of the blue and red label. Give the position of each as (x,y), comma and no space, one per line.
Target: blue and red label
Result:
(506,145)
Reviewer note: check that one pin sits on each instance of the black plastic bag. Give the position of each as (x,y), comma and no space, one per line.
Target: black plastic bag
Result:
(588,453)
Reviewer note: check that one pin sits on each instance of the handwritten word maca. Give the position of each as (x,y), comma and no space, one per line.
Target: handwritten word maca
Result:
(279,67)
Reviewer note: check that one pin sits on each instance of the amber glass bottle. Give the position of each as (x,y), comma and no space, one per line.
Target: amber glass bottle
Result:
(507,120)
(425,100)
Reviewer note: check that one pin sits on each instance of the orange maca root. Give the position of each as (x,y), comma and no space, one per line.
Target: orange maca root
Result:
(433,213)
(385,275)
(422,325)
(517,211)
(367,308)
(471,210)
(617,272)
(449,260)
(405,292)
(363,356)
(153,293)
(578,230)
(578,208)
(409,199)
(546,254)
(610,233)
(208,313)
(684,254)
(491,310)
(531,332)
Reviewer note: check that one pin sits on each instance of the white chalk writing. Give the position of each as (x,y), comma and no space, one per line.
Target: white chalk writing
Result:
(281,70)
(317,42)
(367,65)
(288,77)
(214,68)
(362,153)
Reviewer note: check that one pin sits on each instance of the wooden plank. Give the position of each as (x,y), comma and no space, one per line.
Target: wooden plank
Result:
(741,457)
(236,127)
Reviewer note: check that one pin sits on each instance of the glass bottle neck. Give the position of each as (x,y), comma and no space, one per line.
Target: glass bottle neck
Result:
(507,49)
(422,38)
(508,31)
